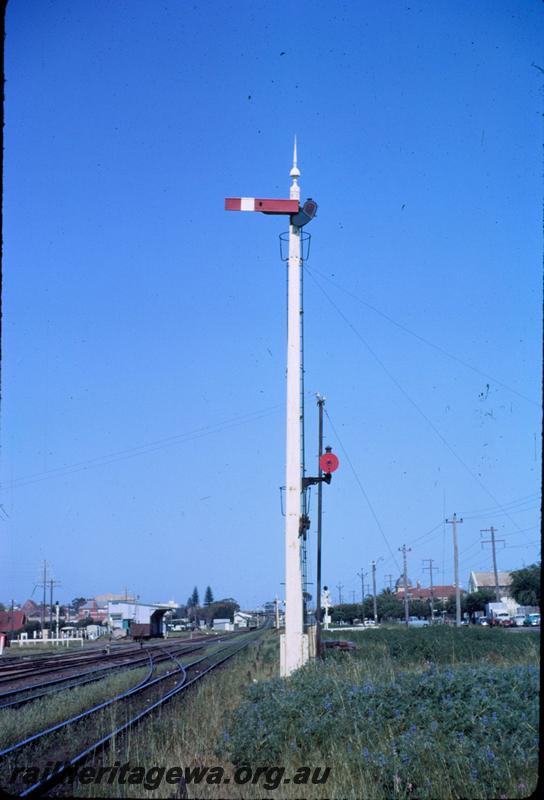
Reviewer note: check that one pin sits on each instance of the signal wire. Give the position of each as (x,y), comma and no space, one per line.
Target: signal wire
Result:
(361,487)
(143,449)
(422,338)
(413,403)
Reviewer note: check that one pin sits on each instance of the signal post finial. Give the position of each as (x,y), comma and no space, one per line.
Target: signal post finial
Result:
(295,173)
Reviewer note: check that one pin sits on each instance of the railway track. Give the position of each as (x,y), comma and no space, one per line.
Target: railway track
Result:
(15,676)
(56,743)
(20,696)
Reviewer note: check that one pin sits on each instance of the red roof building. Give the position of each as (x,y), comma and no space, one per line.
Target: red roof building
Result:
(90,610)
(442,593)
(12,621)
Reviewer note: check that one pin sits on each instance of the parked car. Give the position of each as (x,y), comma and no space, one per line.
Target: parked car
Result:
(518,620)
(506,622)
(338,644)
(532,619)
(482,621)
(415,622)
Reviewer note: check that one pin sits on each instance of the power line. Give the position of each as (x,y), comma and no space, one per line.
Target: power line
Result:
(376,520)
(414,404)
(138,450)
(518,501)
(423,339)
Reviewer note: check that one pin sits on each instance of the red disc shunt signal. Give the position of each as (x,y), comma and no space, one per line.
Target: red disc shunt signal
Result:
(329,462)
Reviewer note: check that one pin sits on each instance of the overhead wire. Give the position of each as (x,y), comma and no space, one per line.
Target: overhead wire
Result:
(144,449)
(365,495)
(422,338)
(519,500)
(412,401)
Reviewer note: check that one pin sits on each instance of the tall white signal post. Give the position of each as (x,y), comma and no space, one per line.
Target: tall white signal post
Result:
(294,642)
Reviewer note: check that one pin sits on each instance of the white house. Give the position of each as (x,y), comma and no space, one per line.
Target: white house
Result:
(223,625)
(243,620)
(486,580)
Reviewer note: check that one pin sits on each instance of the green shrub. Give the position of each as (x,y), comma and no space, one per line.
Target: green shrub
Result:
(467,731)
(444,644)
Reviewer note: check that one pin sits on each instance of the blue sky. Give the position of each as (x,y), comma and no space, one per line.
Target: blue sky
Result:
(143,355)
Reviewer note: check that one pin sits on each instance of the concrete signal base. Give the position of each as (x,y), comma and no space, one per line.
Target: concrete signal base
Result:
(301,651)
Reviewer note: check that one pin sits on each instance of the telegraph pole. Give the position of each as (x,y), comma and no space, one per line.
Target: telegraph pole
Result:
(362,576)
(493,541)
(340,586)
(43,583)
(404,550)
(430,568)
(453,522)
(390,577)
(374,590)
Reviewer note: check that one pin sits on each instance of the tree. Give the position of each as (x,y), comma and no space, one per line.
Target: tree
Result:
(420,608)
(194,597)
(30,627)
(390,606)
(222,609)
(346,612)
(526,585)
(476,601)
(451,606)
(2,607)
(208,597)
(77,602)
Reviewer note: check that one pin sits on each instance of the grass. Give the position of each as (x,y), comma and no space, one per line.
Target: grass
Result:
(18,723)
(42,649)
(442,644)
(458,731)
(186,732)
(423,713)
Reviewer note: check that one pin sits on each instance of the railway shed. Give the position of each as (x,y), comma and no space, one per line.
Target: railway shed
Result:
(124,614)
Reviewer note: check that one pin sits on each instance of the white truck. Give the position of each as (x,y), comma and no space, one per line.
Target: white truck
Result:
(496,613)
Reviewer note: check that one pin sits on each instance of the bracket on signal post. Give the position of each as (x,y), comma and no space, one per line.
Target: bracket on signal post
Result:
(311,481)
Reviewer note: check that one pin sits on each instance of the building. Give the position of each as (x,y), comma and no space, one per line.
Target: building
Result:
(486,580)
(12,622)
(33,611)
(91,610)
(121,615)
(223,625)
(441,593)
(243,620)
(104,599)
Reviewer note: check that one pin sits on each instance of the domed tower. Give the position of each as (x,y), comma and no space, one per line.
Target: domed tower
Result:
(399,583)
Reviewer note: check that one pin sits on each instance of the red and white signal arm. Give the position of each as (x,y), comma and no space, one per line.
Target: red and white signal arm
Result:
(265,205)
(329,462)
